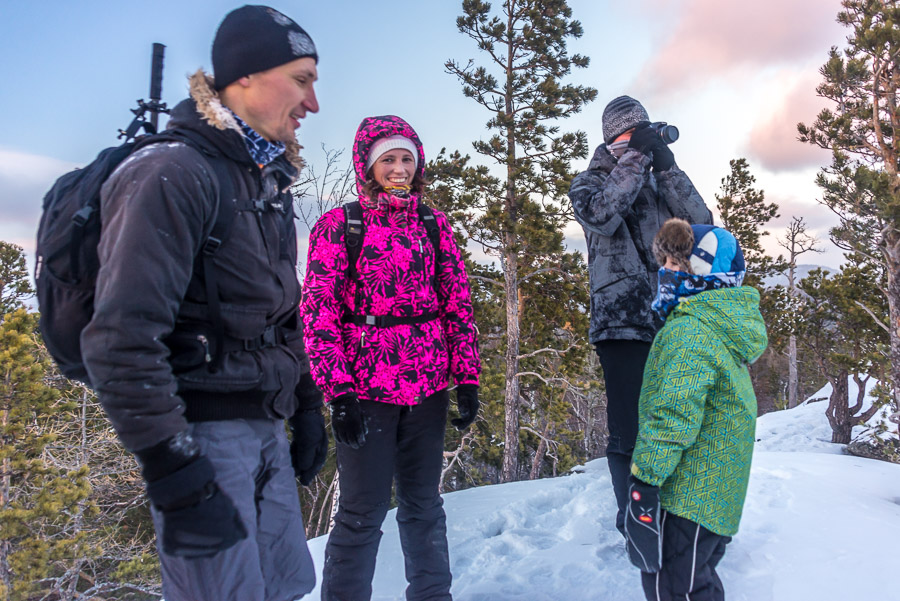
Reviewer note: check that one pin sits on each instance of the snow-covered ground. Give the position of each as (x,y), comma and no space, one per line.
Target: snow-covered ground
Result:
(818,525)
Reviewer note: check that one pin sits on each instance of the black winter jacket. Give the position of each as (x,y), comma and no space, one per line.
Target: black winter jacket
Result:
(621,205)
(145,347)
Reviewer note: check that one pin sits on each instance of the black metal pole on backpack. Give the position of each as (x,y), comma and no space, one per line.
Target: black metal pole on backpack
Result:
(156,71)
(155,106)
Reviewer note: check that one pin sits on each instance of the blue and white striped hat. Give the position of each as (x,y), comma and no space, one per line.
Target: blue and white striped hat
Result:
(715,250)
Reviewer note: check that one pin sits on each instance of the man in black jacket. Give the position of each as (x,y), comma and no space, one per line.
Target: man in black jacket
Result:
(198,382)
(632,186)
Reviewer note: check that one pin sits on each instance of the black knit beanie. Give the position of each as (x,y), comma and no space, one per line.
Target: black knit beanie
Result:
(620,115)
(256,38)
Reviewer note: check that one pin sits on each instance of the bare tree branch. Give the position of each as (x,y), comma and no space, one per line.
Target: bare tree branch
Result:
(878,321)
(556,352)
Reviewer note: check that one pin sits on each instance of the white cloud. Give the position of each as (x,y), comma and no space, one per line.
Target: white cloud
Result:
(24,179)
(773,138)
(713,39)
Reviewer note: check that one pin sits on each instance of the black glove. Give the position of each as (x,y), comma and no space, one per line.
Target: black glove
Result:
(309,444)
(199,520)
(347,421)
(644,139)
(467,404)
(663,159)
(647,140)
(642,530)
(308,394)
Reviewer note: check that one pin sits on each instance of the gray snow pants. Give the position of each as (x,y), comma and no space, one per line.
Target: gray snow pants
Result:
(253,467)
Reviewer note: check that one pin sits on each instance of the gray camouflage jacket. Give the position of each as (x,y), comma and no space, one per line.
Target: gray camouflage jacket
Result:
(621,205)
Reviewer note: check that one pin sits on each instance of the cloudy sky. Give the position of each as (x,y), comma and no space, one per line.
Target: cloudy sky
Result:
(735,77)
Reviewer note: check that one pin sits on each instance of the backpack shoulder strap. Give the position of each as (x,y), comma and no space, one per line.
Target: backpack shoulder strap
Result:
(219,165)
(224,220)
(225,214)
(426,214)
(354,232)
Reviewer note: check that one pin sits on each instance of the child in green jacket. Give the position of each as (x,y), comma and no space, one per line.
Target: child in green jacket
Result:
(697,410)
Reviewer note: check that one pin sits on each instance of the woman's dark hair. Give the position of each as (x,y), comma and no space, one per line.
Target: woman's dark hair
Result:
(371,189)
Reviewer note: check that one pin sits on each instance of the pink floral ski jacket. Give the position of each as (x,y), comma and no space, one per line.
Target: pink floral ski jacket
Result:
(400,364)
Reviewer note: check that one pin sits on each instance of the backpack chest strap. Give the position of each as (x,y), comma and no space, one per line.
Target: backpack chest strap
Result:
(387,321)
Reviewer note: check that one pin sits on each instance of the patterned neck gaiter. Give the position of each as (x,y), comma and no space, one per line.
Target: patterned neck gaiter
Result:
(388,201)
(261,150)
(391,203)
(617,149)
(398,191)
(677,285)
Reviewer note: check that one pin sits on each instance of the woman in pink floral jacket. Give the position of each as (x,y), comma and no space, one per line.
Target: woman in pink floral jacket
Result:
(386,338)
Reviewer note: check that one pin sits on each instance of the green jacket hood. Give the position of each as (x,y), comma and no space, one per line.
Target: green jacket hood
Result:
(733,314)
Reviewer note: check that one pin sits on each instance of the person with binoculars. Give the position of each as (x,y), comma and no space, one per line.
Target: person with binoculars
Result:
(631,187)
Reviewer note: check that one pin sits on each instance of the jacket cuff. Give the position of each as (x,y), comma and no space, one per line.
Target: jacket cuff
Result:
(669,173)
(633,155)
(308,394)
(646,476)
(466,379)
(167,457)
(340,390)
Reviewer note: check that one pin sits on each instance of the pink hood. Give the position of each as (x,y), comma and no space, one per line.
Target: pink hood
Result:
(375,128)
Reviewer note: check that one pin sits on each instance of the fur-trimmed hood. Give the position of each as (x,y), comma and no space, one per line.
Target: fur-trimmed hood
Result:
(212,111)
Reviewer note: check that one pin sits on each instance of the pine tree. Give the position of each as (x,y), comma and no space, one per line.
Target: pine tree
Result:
(65,529)
(517,216)
(862,185)
(744,211)
(37,501)
(14,284)
(841,334)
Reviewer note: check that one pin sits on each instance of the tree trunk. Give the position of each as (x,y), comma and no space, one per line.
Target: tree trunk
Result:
(792,341)
(793,379)
(5,487)
(539,455)
(892,256)
(509,471)
(838,411)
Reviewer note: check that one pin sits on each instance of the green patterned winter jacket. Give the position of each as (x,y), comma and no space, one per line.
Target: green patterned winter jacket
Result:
(698,408)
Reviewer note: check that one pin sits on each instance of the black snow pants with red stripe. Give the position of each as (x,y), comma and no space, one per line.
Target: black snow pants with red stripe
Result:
(690,556)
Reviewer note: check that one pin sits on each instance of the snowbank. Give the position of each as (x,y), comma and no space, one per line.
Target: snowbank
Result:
(814,528)
(806,428)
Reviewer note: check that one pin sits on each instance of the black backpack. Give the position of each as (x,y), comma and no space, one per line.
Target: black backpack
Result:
(66,269)
(354,233)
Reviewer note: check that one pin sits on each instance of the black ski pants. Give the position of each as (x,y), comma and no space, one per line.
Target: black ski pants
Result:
(690,556)
(405,444)
(623,371)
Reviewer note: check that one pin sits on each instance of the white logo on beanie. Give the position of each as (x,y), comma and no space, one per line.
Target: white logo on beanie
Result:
(301,45)
(704,253)
(279,18)
(716,251)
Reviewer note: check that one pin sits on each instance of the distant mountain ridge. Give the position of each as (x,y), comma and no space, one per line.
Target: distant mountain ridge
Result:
(800,272)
